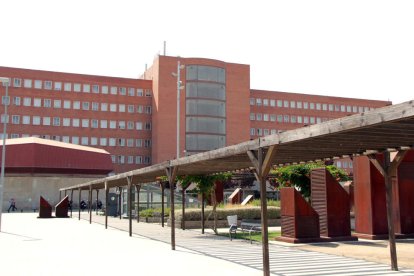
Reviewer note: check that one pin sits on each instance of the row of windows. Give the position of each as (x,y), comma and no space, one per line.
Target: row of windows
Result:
(295,119)
(77,105)
(78,87)
(263,132)
(344,164)
(309,105)
(121,159)
(76,122)
(93,141)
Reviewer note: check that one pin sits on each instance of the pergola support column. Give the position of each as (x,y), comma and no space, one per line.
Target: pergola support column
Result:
(129,180)
(262,163)
(60,195)
(162,203)
(71,202)
(120,202)
(79,205)
(171,173)
(90,204)
(137,188)
(389,171)
(97,199)
(106,204)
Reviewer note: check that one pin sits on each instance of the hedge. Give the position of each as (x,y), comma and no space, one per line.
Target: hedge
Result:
(251,212)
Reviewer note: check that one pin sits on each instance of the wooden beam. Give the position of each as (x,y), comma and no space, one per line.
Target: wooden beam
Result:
(171,173)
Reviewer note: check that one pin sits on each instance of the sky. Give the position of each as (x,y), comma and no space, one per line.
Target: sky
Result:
(359,49)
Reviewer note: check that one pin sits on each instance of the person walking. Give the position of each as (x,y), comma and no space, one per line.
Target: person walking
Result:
(12,205)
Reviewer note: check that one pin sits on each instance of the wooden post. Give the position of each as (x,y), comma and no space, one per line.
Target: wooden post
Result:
(90,204)
(389,171)
(97,198)
(65,192)
(137,188)
(120,202)
(262,166)
(129,200)
(80,192)
(202,213)
(171,174)
(183,208)
(162,203)
(71,202)
(106,204)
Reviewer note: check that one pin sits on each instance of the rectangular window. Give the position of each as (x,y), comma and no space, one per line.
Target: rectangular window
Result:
(85,122)
(57,103)
(27,83)
(85,105)
(348,108)
(94,123)
(77,87)
(48,85)
(300,119)
(131,108)
(293,119)
(47,103)
(122,91)
(112,142)
(272,117)
(26,120)
(138,160)
(305,105)
(4,119)
(286,118)
(112,124)
(318,106)
(148,109)
(121,108)
(259,102)
(138,143)
(37,102)
(104,107)
(298,104)
(84,140)
(279,118)
(148,126)
(140,108)
(318,120)
(266,117)
(56,121)
(265,102)
(65,139)
(286,104)
(121,124)
(324,107)
(112,107)
(75,140)
(265,132)
(17,82)
(279,103)
(259,132)
(95,106)
(130,143)
(252,116)
(147,143)
(343,108)
(147,93)
(76,104)
(130,159)
(75,122)
(86,88)
(138,125)
(140,92)
(15,119)
(113,90)
(354,109)
(312,106)
(104,123)
(103,141)
(16,101)
(272,103)
(130,125)
(306,120)
(95,88)
(58,86)
(66,122)
(27,101)
(104,89)
(38,84)
(94,141)
(292,104)
(46,121)
(67,87)
(331,107)
(259,116)
(121,159)
(312,120)
(66,104)
(252,132)
(131,91)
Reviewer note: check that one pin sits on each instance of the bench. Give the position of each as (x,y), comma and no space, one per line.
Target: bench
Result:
(251,226)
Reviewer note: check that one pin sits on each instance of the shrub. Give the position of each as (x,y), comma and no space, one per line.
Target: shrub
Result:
(274,203)
(250,212)
(149,213)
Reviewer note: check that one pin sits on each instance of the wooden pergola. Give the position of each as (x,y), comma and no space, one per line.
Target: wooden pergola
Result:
(384,130)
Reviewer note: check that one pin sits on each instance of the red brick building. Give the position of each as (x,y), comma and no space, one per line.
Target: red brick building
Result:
(136,119)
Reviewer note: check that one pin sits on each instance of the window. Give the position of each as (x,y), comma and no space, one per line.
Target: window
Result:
(5,100)
(259,116)
(94,123)
(113,90)
(252,131)
(138,125)
(84,140)
(75,140)
(4,118)
(131,91)
(58,86)
(65,139)
(27,83)
(300,119)
(130,143)
(38,84)
(147,93)
(259,102)
(324,107)
(103,141)
(121,108)
(112,107)
(138,159)
(17,82)
(337,107)
(121,124)
(293,119)
(94,141)
(131,108)
(16,101)
(48,85)
(138,143)
(95,89)
(76,104)
(279,118)
(86,88)
(140,92)
(266,117)
(286,118)
(104,89)
(348,108)
(57,103)
(312,120)
(77,87)
(140,108)
(331,107)
(273,131)
(56,121)
(342,108)
(318,106)
(354,109)
(26,120)
(130,125)
(147,143)
(15,119)
(121,159)
(286,104)
(272,117)
(85,105)
(259,132)
(36,120)
(339,164)
(265,132)
(305,105)
(104,107)
(360,109)
(66,122)
(265,102)
(148,109)
(112,142)
(122,91)
(130,159)
(85,122)
(279,103)
(46,121)
(312,106)
(67,87)
(148,126)
(292,104)
(75,122)
(298,104)
(27,101)
(47,103)
(95,106)
(66,104)
(306,120)
(113,158)
(272,103)
(252,116)
(104,123)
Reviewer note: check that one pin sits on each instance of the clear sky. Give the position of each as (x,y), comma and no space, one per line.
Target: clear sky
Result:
(362,48)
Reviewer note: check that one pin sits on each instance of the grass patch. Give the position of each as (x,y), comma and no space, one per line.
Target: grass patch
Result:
(255,236)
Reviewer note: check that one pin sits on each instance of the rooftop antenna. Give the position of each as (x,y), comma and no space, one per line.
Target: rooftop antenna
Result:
(165,47)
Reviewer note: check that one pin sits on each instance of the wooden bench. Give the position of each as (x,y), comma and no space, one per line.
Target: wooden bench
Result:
(251,226)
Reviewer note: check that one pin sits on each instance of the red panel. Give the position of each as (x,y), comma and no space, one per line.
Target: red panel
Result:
(405,192)
(45,210)
(61,209)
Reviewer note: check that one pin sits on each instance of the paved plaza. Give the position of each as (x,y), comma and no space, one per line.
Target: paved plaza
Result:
(31,246)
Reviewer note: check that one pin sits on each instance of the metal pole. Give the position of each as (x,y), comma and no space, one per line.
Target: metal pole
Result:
(130,208)
(183,208)
(97,198)
(79,206)
(71,204)
(162,204)
(90,204)
(202,212)
(106,204)
(120,202)
(138,188)
(178,109)
(3,152)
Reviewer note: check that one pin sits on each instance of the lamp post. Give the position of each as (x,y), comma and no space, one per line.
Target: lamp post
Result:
(179,87)
(3,152)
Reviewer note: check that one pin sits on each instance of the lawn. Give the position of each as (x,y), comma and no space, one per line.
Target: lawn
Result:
(255,236)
